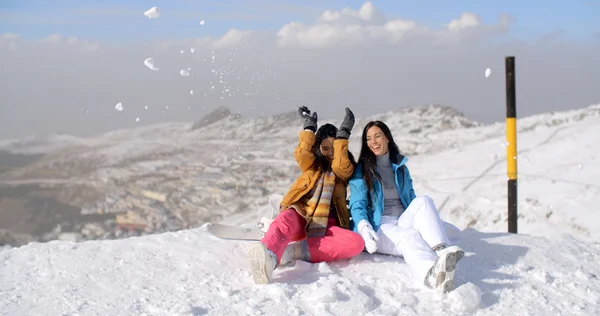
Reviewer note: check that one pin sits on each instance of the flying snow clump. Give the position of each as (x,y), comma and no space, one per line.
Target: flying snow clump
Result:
(152,13)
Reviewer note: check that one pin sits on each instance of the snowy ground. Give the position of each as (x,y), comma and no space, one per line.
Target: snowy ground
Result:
(192,273)
(558,187)
(550,268)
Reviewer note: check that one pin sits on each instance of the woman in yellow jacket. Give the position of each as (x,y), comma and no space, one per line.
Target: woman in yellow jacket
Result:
(314,211)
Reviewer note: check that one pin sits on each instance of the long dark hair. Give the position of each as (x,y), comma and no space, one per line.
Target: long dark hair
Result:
(326,131)
(367,157)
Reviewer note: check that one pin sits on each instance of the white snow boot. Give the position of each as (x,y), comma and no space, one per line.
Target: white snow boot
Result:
(297,250)
(289,254)
(441,275)
(262,263)
(442,249)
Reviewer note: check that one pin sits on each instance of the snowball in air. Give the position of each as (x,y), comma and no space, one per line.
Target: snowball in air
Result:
(149,62)
(184,73)
(119,107)
(152,13)
(202,22)
(488,72)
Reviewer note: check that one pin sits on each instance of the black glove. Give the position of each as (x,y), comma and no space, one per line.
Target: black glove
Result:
(347,125)
(310,121)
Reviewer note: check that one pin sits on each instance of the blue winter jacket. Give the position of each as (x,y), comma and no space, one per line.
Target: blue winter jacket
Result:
(360,208)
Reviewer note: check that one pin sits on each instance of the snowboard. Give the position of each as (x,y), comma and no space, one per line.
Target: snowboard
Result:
(255,233)
(235,232)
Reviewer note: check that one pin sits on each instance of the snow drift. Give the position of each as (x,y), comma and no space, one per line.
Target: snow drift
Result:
(192,273)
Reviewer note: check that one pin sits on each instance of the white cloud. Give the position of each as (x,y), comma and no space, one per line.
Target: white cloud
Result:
(91,46)
(14,41)
(466,20)
(360,27)
(233,38)
(347,27)
(87,45)
(366,13)
(319,35)
(8,36)
(54,38)
(356,58)
(366,26)
(9,40)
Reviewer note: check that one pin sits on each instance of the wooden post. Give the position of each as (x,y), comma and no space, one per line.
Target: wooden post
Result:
(511,143)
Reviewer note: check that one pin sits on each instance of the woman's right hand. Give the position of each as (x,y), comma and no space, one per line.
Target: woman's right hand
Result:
(310,121)
(369,235)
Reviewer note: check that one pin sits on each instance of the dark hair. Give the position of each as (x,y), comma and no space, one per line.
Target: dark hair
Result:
(326,131)
(367,157)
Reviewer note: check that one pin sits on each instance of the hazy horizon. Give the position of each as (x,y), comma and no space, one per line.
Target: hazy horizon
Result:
(66,74)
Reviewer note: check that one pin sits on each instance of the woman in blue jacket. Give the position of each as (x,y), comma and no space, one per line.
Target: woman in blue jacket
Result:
(392,219)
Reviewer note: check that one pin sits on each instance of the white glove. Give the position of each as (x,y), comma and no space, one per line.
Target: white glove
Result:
(368,234)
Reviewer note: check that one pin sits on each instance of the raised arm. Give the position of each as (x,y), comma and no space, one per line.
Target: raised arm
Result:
(341,164)
(303,154)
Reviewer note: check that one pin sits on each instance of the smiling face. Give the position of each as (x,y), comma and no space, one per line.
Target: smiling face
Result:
(326,148)
(377,141)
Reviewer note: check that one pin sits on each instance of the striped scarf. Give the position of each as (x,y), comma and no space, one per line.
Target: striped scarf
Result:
(319,204)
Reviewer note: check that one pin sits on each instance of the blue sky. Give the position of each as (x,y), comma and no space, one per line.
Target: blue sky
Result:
(124,20)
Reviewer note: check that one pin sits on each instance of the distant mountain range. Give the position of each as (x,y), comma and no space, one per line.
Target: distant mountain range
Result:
(207,170)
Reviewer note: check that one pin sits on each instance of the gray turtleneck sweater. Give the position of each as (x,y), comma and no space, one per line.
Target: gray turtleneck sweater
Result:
(391,201)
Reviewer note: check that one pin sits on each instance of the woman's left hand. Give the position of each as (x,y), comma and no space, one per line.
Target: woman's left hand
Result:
(347,125)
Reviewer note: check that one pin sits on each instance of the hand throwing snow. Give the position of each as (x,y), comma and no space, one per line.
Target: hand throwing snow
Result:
(310,121)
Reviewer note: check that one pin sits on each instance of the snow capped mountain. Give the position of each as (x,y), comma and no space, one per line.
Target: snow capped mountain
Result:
(39,144)
(175,177)
(221,165)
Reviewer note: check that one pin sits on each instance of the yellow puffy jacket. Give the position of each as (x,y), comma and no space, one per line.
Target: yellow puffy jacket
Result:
(342,168)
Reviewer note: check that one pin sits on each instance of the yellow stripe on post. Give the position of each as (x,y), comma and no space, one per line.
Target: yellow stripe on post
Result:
(511,147)
(511,140)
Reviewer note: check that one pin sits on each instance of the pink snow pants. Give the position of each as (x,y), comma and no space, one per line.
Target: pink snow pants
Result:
(338,243)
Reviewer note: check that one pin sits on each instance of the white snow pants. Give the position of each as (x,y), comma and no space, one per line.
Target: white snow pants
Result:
(413,235)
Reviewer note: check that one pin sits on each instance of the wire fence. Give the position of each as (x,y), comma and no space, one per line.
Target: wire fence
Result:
(503,177)
(521,176)
(526,175)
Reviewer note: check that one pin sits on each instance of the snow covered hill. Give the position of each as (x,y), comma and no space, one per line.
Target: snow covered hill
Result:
(173,177)
(194,175)
(226,171)
(192,273)
(558,187)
